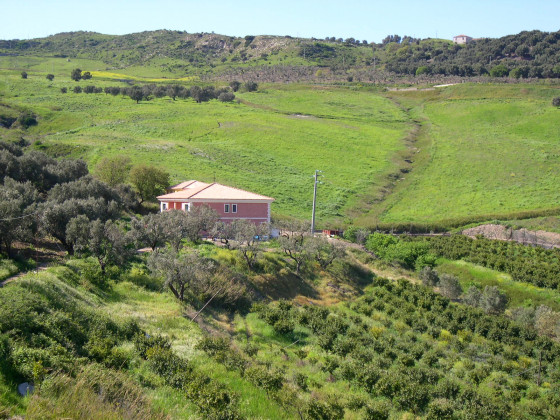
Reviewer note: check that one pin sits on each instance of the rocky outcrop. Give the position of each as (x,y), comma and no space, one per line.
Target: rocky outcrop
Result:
(524,236)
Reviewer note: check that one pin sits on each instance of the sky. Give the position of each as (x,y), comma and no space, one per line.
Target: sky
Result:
(363,20)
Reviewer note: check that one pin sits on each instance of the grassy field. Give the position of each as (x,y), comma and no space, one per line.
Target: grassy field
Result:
(490,149)
(475,150)
(519,294)
(264,146)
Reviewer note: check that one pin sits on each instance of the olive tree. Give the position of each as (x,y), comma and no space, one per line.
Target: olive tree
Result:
(76,75)
(106,241)
(246,238)
(184,273)
(149,181)
(292,238)
(449,286)
(113,170)
(473,297)
(18,212)
(493,301)
(429,276)
(325,252)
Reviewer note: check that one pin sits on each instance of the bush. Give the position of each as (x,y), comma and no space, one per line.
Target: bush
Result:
(440,409)
(213,345)
(143,342)
(556,101)
(166,363)
(260,376)
(24,75)
(27,119)
(493,300)
(450,286)
(323,410)
(377,410)
(226,97)
(429,277)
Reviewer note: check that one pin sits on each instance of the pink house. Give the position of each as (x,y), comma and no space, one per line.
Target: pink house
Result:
(230,203)
(462,39)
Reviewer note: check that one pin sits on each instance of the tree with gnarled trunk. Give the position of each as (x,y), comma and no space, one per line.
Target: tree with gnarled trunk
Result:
(105,241)
(183,273)
(246,238)
(292,241)
(325,251)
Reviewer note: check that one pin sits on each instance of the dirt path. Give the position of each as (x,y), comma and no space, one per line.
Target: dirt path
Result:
(40,267)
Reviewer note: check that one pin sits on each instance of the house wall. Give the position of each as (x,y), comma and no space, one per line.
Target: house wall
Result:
(255,212)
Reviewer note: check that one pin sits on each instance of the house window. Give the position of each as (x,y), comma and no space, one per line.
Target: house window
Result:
(186,206)
(226,208)
(164,206)
(234,208)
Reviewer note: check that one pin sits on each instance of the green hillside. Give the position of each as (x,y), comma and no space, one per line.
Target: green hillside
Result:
(529,54)
(469,152)
(487,150)
(271,142)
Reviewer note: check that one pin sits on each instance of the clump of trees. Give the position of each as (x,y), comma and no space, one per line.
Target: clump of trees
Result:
(78,75)
(408,254)
(42,195)
(301,247)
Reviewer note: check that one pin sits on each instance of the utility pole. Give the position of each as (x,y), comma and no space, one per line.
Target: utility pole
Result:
(314,201)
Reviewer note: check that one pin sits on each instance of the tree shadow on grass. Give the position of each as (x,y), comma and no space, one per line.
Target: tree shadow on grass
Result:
(283,285)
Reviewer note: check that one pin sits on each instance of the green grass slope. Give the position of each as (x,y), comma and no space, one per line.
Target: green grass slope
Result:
(490,150)
(263,145)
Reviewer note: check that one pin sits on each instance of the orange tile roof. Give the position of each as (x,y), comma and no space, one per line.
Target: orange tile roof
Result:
(214,191)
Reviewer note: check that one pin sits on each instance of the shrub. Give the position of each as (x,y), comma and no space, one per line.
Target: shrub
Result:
(284,326)
(226,97)
(300,380)
(429,276)
(166,363)
(450,286)
(377,410)
(323,410)
(440,409)
(493,300)
(260,376)
(556,101)
(24,75)
(143,342)
(27,119)
(213,345)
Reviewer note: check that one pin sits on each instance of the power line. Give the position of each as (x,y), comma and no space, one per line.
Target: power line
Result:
(20,217)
